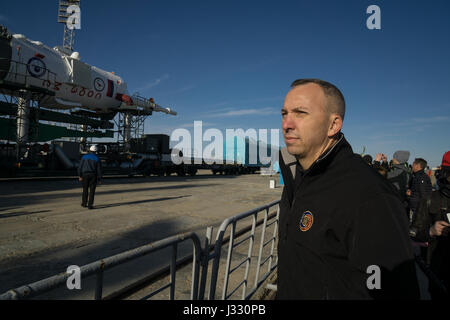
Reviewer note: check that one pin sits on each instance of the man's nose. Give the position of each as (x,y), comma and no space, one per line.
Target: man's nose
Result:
(287,123)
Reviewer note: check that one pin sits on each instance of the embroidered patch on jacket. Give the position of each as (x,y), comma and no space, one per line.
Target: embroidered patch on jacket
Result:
(306,221)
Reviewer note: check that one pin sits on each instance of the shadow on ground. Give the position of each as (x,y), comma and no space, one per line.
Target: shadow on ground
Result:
(18,187)
(33,199)
(17,272)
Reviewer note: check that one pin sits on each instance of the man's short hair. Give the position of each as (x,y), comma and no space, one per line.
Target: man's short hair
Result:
(367,158)
(421,162)
(336,101)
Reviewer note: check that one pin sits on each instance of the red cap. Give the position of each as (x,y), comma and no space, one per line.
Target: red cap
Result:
(446,159)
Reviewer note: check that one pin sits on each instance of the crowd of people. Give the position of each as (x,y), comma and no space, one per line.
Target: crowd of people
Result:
(426,206)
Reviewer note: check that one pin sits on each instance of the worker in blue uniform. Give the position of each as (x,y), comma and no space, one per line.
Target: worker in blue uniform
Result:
(89,173)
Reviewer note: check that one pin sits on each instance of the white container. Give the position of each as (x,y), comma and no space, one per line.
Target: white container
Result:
(272,184)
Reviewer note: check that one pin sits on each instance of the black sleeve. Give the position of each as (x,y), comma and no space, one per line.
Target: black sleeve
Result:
(80,166)
(99,170)
(420,227)
(381,238)
(287,178)
(425,187)
(422,185)
(415,196)
(410,183)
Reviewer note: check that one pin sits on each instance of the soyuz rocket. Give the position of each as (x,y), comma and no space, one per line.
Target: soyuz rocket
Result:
(73,83)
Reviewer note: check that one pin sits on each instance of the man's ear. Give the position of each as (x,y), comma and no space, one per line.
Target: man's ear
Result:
(335,125)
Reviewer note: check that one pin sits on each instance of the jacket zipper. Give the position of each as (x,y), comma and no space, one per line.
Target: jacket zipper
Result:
(326,293)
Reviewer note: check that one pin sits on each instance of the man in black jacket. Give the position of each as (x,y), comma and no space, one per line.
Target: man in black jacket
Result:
(420,185)
(431,224)
(343,233)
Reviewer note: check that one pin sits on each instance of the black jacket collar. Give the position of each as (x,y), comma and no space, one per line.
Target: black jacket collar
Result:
(288,162)
(329,155)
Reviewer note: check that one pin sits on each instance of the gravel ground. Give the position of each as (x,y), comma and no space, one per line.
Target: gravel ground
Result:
(44,229)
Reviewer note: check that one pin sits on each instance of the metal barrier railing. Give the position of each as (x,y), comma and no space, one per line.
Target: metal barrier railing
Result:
(98,268)
(218,246)
(200,261)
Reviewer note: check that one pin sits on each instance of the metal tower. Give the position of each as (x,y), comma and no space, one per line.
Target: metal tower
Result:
(63,16)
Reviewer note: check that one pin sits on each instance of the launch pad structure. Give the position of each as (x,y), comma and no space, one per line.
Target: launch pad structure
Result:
(21,115)
(48,94)
(26,127)
(25,121)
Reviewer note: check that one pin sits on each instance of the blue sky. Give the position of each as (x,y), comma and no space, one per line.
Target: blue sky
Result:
(230,63)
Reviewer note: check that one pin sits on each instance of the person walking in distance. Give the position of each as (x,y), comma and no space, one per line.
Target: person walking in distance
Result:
(89,173)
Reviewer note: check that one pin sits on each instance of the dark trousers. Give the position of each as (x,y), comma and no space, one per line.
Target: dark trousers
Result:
(89,184)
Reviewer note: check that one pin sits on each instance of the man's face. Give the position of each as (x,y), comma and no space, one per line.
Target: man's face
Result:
(305,120)
(416,167)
